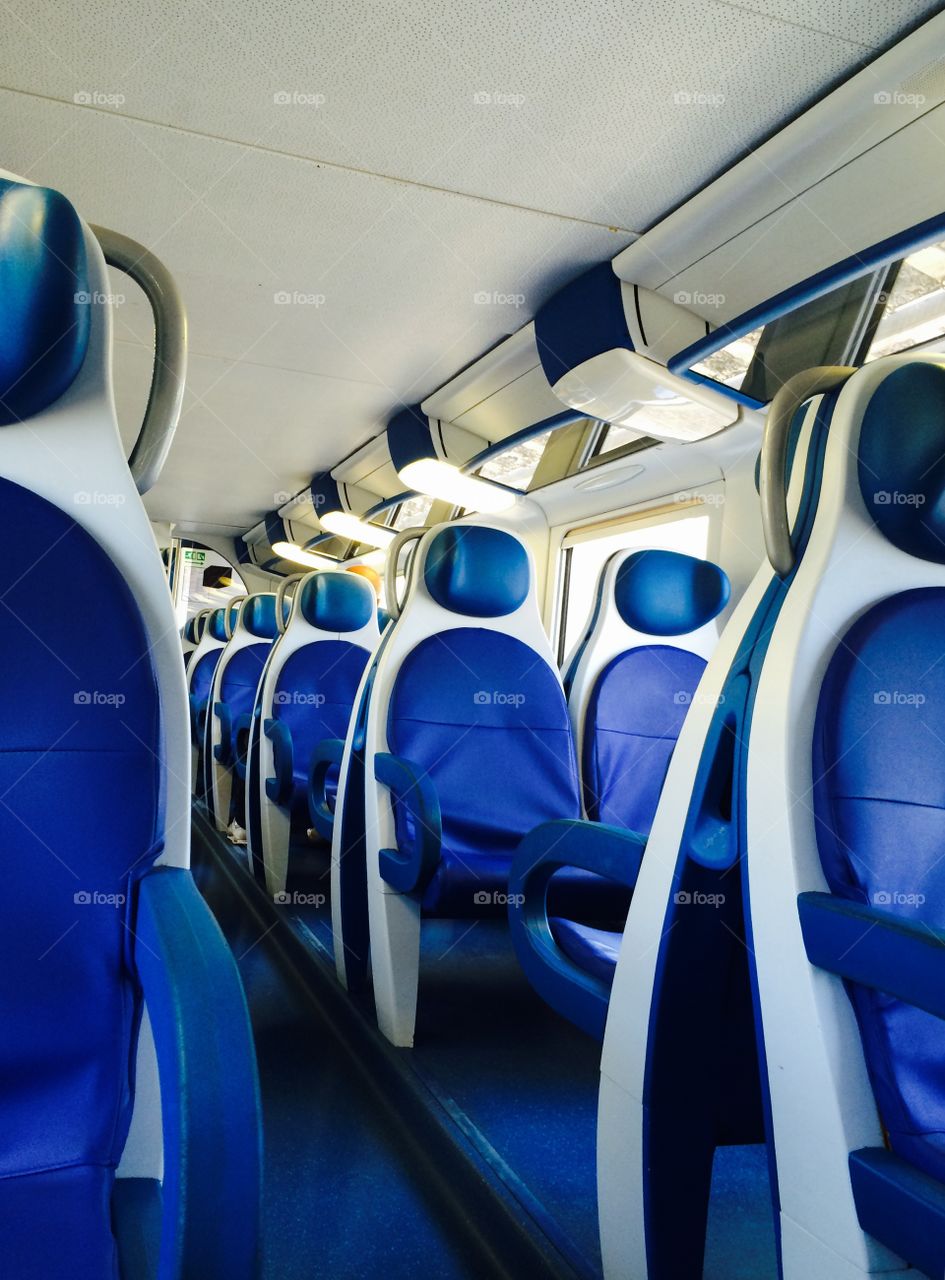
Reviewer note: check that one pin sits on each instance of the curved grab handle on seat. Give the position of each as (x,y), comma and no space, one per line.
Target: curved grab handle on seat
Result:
(223,751)
(328,753)
(774,450)
(292,580)
(241,735)
(612,852)
(170,352)
(229,622)
(210,1220)
(410,870)
(390,568)
(198,718)
(279,788)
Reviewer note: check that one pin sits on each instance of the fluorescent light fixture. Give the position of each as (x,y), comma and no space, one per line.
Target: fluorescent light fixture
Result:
(447,483)
(373,560)
(289,551)
(347,525)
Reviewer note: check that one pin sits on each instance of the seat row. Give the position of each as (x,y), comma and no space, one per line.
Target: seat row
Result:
(698,839)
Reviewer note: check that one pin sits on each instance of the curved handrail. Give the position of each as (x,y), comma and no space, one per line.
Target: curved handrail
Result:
(774,450)
(393,605)
(234,602)
(170,352)
(282,588)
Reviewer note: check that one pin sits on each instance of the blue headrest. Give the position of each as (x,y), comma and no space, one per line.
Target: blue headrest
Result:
(337,601)
(216,624)
(665,593)
(190,630)
(901,459)
(45,312)
(478,572)
(259,616)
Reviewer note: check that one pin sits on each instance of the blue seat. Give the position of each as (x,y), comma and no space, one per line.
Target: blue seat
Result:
(465,744)
(305,700)
(631,680)
(853,883)
(235,684)
(102,923)
(200,673)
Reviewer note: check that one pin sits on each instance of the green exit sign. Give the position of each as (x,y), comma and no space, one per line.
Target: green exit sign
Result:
(194,557)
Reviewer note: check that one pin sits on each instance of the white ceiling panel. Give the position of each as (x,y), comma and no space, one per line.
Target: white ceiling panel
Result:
(416,177)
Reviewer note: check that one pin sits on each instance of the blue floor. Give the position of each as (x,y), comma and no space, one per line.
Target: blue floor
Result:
(518,1081)
(340,1200)
(526,1082)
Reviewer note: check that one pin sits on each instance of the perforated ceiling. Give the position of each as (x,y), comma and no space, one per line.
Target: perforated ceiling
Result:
(357,199)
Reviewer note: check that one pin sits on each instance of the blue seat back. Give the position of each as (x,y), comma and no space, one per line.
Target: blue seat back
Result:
(314,689)
(81,822)
(488,723)
(93,734)
(879,766)
(655,614)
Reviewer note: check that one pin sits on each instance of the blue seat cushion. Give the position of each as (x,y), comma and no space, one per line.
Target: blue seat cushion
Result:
(81,819)
(465,886)
(879,799)
(634,715)
(486,718)
(57,1223)
(314,695)
(593,950)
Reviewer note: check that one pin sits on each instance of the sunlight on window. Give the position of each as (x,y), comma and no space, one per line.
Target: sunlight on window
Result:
(516,465)
(730,364)
(915,310)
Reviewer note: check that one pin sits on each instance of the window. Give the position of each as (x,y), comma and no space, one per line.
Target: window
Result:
(585,551)
(893,308)
(412,512)
(516,466)
(204,580)
(915,307)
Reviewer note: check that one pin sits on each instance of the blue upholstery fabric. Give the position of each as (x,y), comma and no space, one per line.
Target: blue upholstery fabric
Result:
(580,321)
(337,602)
(594,950)
(259,616)
(201,678)
(902,472)
(477,571)
(634,715)
(80,823)
(216,623)
(314,695)
(665,593)
(488,721)
(879,766)
(57,1223)
(46,314)
(241,680)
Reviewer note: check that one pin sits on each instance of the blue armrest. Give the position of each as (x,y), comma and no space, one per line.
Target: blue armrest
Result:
(198,718)
(243,725)
(223,751)
(210,1109)
(612,852)
(279,788)
(410,870)
(329,752)
(876,949)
